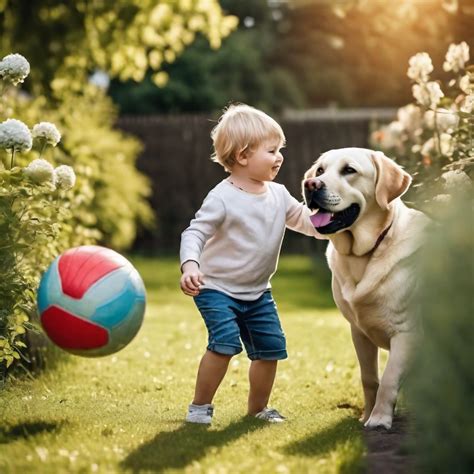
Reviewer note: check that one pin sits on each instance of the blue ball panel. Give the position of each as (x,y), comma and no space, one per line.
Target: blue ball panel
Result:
(112,312)
(122,334)
(49,291)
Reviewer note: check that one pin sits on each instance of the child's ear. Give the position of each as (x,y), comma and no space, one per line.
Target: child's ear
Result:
(242,157)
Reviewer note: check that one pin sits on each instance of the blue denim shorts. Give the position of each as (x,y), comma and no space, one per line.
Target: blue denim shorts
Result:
(230,320)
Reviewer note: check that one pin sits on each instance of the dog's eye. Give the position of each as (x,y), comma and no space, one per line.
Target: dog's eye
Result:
(348,170)
(319,171)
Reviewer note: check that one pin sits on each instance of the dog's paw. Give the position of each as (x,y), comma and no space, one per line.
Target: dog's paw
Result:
(379,420)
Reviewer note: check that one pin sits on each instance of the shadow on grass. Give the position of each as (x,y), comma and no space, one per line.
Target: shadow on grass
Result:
(322,442)
(345,436)
(190,442)
(8,434)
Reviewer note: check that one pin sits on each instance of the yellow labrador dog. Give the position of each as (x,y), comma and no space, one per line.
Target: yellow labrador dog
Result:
(373,238)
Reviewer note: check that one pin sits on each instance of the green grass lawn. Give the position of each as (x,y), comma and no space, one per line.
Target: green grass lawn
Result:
(124,413)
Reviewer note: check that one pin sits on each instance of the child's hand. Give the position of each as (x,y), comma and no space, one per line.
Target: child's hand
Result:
(192,278)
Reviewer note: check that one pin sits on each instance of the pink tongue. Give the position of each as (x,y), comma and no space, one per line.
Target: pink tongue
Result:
(320,219)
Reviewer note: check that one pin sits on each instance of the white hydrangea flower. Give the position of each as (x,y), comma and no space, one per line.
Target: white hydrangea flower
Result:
(456,179)
(40,171)
(48,132)
(445,145)
(65,177)
(428,94)
(14,134)
(420,67)
(468,104)
(466,85)
(14,68)
(456,57)
(410,117)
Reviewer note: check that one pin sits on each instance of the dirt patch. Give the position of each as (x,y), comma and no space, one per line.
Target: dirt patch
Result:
(387,451)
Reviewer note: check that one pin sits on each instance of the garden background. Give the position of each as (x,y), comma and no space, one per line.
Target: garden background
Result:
(134,88)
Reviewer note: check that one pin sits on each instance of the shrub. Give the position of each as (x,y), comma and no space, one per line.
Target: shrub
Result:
(104,161)
(46,207)
(435,134)
(440,387)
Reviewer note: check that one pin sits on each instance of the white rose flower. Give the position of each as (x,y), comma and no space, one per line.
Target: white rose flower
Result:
(48,132)
(65,177)
(456,179)
(420,67)
(410,117)
(428,147)
(466,85)
(428,94)
(444,146)
(40,171)
(14,134)
(429,119)
(456,57)
(468,104)
(14,68)
(390,136)
(446,120)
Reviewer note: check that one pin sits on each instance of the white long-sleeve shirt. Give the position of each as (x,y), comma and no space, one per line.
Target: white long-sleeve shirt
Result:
(236,237)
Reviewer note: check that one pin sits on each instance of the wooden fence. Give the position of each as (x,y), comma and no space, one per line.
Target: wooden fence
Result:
(176,158)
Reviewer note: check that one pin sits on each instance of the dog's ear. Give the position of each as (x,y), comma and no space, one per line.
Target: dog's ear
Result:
(391,180)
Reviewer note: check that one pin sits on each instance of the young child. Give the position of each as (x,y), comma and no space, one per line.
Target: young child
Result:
(230,251)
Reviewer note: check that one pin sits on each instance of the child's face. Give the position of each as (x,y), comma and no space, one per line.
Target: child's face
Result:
(265,162)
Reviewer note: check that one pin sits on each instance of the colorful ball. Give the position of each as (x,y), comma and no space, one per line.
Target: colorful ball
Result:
(91,301)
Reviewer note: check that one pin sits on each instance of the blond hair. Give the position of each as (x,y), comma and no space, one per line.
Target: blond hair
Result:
(242,128)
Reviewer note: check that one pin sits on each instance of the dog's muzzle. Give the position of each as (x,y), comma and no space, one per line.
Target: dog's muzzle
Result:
(325,221)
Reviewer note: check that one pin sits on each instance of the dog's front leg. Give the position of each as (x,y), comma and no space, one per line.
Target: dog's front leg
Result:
(367,353)
(400,350)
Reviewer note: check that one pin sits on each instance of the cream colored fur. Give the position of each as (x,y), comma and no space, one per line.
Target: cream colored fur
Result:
(374,289)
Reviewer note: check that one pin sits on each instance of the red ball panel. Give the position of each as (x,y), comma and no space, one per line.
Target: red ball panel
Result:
(71,332)
(81,267)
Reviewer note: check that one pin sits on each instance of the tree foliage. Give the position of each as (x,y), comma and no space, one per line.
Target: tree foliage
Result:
(125,38)
(203,79)
(304,54)
(355,53)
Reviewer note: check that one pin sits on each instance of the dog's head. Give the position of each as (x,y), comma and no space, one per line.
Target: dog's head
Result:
(342,184)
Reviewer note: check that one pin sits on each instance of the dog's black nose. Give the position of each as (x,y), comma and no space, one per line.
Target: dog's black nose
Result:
(313,184)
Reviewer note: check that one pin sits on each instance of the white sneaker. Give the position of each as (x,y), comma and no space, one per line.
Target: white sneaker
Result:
(271,415)
(200,414)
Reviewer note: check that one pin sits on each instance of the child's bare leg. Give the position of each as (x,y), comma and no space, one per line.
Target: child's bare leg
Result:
(211,371)
(261,377)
